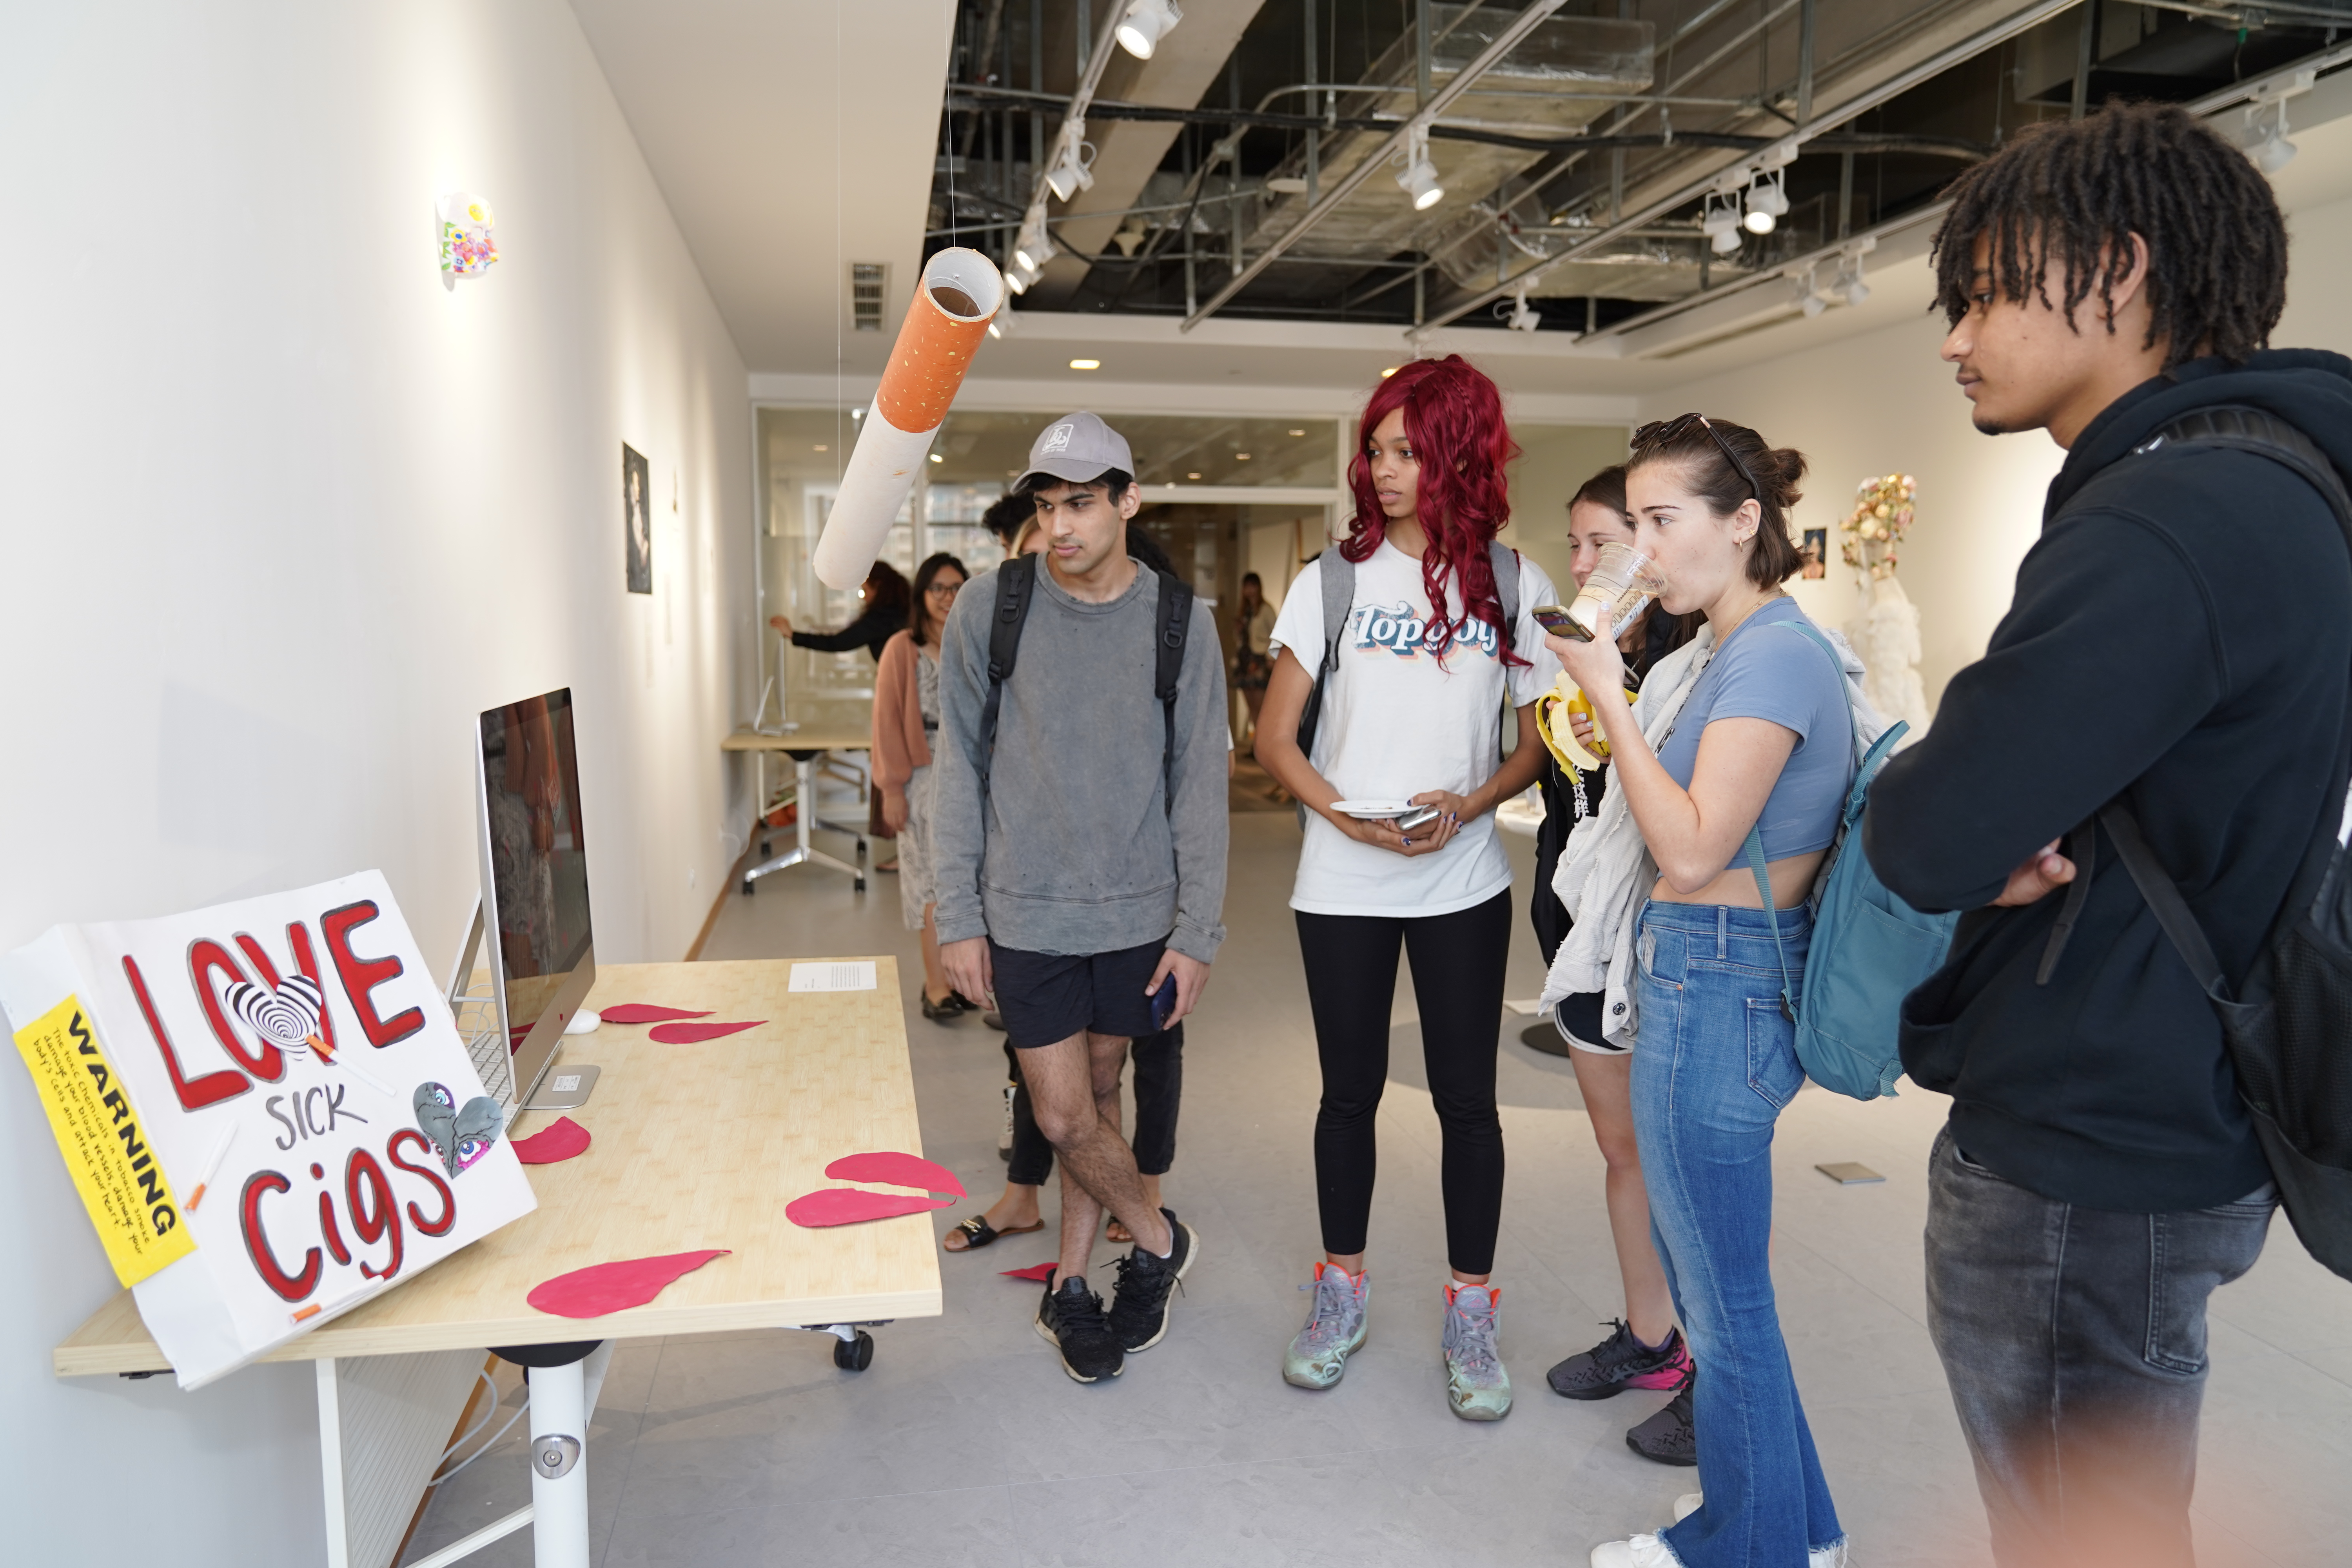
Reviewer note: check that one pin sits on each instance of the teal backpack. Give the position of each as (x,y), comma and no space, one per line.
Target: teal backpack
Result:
(1870,948)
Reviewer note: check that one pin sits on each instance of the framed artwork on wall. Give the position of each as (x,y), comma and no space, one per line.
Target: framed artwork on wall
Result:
(1815,554)
(636,520)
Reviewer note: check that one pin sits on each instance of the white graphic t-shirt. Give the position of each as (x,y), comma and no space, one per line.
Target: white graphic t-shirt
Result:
(1395,723)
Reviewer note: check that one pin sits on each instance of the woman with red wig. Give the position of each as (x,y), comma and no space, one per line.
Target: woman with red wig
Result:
(1408,638)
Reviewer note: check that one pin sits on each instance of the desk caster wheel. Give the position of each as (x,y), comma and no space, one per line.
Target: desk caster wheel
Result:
(747,887)
(854,1355)
(858,885)
(764,849)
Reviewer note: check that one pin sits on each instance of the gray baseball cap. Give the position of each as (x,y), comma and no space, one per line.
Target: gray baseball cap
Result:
(1077,447)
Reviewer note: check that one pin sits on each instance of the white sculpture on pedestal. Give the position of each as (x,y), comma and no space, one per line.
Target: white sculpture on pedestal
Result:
(1886,631)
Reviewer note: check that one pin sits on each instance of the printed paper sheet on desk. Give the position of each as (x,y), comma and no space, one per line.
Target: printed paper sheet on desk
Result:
(265,1108)
(836,975)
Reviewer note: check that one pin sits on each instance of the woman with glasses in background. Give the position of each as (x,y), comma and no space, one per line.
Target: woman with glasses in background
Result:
(1742,797)
(906,716)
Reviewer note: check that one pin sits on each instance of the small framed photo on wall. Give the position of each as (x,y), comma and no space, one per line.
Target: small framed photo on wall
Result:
(637,517)
(1815,554)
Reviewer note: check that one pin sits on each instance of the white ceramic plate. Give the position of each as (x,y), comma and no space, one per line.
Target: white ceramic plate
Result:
(1372,810)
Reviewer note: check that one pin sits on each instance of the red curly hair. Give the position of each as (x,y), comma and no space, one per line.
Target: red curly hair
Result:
(1454,416)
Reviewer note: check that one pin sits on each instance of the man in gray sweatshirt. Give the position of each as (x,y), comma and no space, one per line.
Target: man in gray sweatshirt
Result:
(1107,879)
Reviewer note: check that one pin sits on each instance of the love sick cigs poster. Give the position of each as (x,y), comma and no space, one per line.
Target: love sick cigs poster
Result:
(265,1109)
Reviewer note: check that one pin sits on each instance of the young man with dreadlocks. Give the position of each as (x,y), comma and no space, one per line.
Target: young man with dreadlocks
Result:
(2178,646)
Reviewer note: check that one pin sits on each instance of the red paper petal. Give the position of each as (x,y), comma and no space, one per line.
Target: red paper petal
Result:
(899,1170)
(642,1013)
(691,1034)
(602,1287)
(848,1205)
(560,1140)
(1041,1272)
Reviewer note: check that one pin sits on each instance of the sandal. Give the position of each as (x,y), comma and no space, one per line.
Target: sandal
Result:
(977,1233)
(1117,1232)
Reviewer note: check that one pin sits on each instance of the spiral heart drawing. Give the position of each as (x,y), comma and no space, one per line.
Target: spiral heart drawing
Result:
(286,1016)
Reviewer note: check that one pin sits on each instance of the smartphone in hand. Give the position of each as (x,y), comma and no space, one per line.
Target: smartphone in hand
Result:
(1163,1005)
(1416,817)
(1555,619)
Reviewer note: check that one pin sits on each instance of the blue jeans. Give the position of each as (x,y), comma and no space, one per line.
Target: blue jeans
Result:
(1716,1061)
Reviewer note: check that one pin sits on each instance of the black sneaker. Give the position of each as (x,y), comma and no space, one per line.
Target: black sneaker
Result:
(1622,1362)
(1072,1319)
(1668,1437)
(1139,1311)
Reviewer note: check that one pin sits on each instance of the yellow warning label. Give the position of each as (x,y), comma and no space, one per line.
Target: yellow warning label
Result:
(120,1179)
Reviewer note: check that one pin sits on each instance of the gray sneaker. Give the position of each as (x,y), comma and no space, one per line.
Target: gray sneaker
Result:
(1477,1386)
(1334,1331)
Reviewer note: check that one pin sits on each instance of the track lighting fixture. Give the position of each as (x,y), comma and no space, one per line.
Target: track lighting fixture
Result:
(1034,248)
(1849,286)
(2271,151)
(1419,176)
(1720,221)
(1071,170)
(1808,295)
(2274,151)
(1767,202)
(1146,23)
(1523,316)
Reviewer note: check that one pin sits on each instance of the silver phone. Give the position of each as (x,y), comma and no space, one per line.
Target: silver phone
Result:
(1415,818)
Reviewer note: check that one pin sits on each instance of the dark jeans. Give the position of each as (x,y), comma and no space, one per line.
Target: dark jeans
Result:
(1158,1090)
(1457,978)
(2074,1342)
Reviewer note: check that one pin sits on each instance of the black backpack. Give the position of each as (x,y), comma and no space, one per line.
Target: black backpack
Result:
(1017,584)
(2289,1026)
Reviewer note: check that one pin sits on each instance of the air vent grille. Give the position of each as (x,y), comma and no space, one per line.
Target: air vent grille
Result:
(868,282)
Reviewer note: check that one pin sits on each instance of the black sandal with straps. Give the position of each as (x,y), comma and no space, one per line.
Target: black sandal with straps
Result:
(979,1233)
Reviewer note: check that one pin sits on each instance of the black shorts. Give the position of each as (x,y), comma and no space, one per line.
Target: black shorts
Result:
(1046,998)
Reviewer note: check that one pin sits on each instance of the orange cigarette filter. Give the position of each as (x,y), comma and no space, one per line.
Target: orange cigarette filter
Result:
(933,352)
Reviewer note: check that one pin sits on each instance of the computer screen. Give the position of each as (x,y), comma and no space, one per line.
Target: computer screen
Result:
(534,877)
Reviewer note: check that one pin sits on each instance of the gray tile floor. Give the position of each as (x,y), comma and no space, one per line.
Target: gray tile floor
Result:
(964,1443)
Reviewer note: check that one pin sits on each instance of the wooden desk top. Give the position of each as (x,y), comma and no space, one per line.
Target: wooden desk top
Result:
(695,1146)
(833,726)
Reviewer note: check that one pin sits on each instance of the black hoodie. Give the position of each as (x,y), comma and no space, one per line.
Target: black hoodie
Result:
(2182,636)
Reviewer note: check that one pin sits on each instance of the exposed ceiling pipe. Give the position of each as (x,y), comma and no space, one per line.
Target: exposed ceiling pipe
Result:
(1527,22)
(2204,108)
(1893,87)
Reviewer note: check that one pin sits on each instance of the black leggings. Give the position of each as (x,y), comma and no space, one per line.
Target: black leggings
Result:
(1158,1090)
(1457,976)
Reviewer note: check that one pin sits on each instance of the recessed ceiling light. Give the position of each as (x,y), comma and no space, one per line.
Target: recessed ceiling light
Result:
(937,458)
(1085,364)
(820,448)
(1241,456)
(1192,475)
(1390,371)
(1298,432)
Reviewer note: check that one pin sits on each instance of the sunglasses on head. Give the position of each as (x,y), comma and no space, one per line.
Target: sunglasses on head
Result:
(1666,432)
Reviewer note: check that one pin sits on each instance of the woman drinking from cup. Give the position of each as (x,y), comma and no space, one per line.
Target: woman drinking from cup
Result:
(1399,850)
(1763,742)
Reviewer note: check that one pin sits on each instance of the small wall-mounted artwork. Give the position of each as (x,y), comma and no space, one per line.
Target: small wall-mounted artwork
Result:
(1815,554)
(466,248)
(636,520)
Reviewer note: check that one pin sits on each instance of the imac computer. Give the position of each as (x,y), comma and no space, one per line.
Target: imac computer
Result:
(541,954)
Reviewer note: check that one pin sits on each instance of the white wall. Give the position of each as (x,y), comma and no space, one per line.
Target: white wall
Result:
(283,514)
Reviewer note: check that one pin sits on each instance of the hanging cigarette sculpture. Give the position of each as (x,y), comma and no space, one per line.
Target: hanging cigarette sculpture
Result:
(960,292)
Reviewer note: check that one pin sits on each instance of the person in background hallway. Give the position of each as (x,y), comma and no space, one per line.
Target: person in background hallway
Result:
(905,718)
(883,601)
(1428,659)
(2178,645)
(1759,759)
(1643,1350)
(1253,626)
(1159,1068)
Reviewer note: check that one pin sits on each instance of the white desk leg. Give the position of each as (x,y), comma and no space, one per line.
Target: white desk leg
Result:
(330,1466)
(562,1400)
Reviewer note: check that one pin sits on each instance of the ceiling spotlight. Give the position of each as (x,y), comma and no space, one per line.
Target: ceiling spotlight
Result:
(1758,221)
(1724,243)
(1808,295)
(1002,324)
(2274,151)
(1146,23)
(937,458)
(1719,221)
(1018,277)
(1419,176)
(1523,316)
(1849,286)
(1770,194)
(1072,171)
(1034,248)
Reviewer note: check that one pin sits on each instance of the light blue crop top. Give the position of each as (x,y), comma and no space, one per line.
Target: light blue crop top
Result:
(1768,671)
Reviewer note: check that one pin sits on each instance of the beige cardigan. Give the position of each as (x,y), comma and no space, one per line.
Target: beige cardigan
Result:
(899,747)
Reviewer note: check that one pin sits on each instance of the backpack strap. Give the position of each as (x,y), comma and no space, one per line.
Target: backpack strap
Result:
(1764,891)
(1506,563)
(2243,429)
(2164,899)
(1016,583)
(1337,575)
(1175,630)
